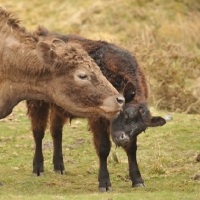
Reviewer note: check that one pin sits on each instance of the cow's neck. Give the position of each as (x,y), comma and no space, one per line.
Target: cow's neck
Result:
(12,93)
(33,89)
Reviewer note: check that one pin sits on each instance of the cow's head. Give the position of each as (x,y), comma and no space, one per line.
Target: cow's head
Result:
(77,84)
(134,119)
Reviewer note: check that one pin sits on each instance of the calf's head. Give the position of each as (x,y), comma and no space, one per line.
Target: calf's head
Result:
(77,84)
(134,119)
(123,128)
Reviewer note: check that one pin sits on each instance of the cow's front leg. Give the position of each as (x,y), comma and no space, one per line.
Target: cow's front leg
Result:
(57,121)
(7,101)
(102,143)
(5,109)
(38,113)
(134,171)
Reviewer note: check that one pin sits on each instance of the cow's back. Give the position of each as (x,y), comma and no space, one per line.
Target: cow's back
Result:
(118,65)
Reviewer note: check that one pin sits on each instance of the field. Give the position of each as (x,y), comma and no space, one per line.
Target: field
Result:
(166,156)
(164,37)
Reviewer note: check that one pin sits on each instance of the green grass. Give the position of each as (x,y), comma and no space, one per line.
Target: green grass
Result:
(166,157)
(163,35)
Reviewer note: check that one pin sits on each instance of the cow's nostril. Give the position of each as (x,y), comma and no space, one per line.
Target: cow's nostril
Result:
(120,100)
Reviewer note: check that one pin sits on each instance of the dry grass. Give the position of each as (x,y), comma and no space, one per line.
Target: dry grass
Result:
(173,76)
(163,35)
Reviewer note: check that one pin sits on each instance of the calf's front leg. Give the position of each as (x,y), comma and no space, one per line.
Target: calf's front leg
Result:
(134,171)
(99,128)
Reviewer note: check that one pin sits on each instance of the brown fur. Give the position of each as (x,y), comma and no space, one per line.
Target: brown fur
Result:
(49,69)
(124,73)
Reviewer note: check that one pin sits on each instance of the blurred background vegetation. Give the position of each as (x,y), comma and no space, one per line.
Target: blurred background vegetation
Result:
(164,36)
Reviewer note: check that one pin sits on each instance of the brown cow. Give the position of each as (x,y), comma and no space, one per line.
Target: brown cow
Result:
(51,70)
(123,71)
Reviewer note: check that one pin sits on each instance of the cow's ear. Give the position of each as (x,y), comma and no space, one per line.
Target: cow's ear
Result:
(129,92)
(157,121)
(45,53)
(58,42)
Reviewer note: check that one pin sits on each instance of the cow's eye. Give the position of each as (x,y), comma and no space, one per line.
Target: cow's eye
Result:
(83,76)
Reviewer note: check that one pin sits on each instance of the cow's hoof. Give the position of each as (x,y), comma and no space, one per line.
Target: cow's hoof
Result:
(139,185)
(59,172)
(38,174)
(104,189)
(1,184)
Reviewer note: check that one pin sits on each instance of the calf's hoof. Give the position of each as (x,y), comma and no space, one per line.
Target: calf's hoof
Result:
(105,189)
(139,185)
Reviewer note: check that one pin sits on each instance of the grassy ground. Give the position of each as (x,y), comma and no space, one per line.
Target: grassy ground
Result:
(166,156)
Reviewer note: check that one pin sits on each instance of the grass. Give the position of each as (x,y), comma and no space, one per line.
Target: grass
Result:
(166,157)
(162,34)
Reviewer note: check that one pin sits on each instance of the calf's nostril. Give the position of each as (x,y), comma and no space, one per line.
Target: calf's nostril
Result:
(122,136)
(142,110)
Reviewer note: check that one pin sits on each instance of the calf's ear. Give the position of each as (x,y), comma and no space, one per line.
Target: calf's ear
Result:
(157,121)
(45,53)
(129,92)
